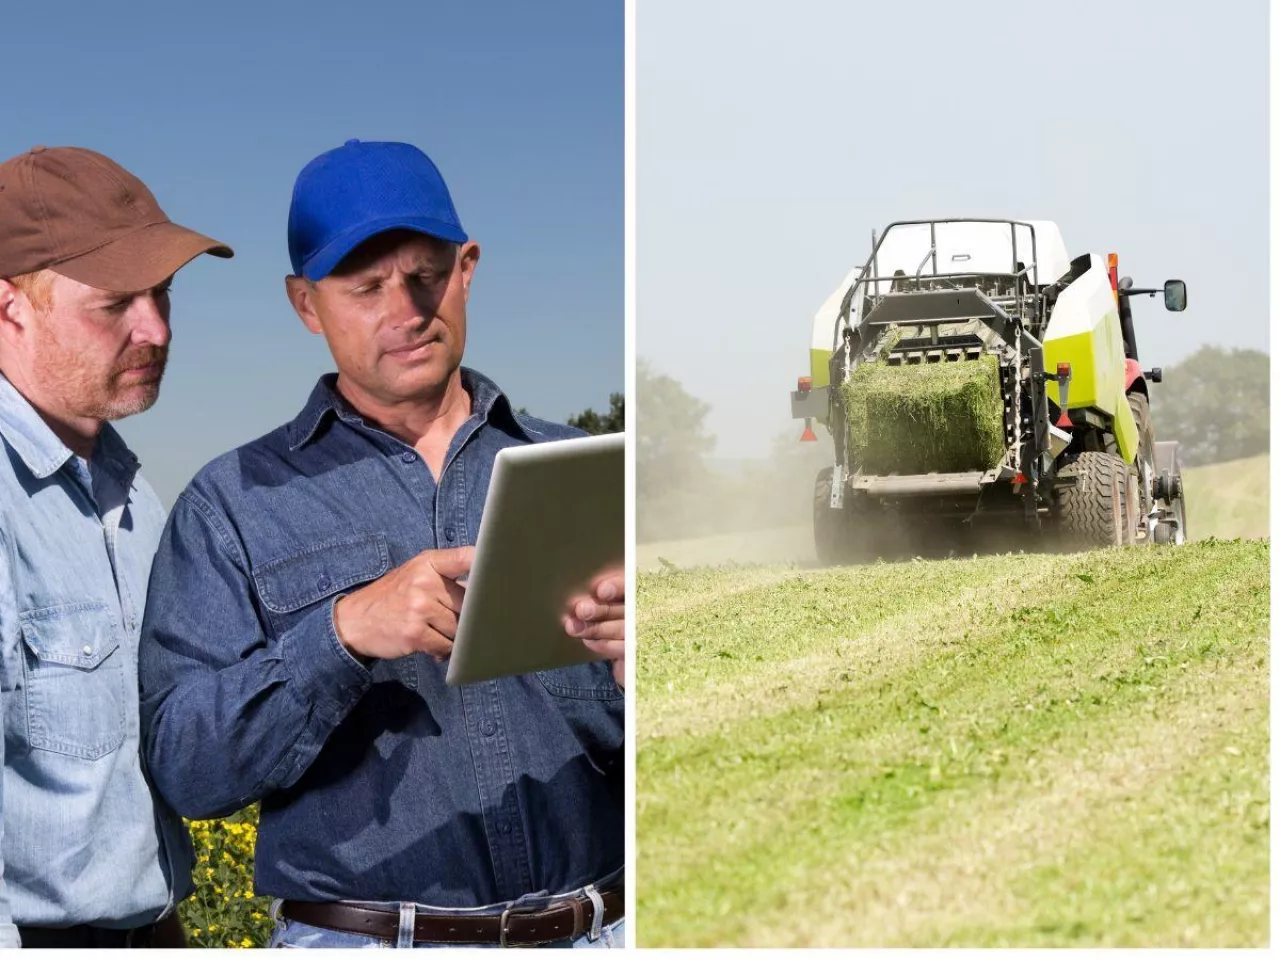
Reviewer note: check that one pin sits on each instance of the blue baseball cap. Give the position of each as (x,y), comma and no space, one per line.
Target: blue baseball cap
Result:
(355,191)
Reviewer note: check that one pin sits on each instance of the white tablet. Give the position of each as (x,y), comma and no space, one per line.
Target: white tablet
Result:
(553,520)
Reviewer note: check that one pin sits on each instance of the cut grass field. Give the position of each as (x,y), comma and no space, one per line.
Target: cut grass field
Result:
(1030,750)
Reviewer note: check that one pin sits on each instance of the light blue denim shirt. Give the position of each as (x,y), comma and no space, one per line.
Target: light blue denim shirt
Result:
(84,840)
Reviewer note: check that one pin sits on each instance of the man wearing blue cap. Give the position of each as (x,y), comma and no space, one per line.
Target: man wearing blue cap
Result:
(304,596)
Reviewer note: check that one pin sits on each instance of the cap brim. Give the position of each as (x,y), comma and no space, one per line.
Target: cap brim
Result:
(142,259)
(323,262)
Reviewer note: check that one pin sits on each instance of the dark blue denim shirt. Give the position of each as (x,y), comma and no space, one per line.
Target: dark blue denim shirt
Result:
(379,783)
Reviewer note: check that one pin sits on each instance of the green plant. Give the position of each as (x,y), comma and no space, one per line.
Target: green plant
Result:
(223,911)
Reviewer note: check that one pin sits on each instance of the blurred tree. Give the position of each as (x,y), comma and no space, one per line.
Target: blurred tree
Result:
(1216,404)
(671,446)
(612,422)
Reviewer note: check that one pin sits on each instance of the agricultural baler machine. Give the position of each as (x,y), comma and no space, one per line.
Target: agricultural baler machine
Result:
(973,376)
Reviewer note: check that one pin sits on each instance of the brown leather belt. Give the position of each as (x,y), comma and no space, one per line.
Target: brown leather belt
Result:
(566,920)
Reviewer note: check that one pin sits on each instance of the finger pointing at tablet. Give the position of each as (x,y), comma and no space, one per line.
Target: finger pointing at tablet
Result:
(413,608)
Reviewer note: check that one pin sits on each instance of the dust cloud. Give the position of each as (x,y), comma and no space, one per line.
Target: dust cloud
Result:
(719,511)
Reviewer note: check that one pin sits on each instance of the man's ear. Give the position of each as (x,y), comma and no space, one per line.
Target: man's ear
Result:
(468,257)
(15,310)
(301,293)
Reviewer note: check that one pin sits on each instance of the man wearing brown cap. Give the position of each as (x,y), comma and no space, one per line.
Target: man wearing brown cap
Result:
(89,856)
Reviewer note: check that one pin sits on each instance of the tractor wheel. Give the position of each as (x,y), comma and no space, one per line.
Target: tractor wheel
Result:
(839,536)
(1144,466)
(1099,509)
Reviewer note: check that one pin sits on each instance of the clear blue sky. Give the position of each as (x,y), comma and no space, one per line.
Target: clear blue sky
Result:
(218,106)
(772,137)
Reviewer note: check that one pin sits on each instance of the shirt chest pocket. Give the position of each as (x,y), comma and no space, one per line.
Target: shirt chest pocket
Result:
(76,693)
(293,586)
(584,681)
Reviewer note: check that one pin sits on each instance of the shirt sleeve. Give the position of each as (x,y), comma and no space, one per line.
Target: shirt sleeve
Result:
(8,624)
(230,712)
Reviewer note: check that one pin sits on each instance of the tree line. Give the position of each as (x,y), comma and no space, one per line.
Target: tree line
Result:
(611,421)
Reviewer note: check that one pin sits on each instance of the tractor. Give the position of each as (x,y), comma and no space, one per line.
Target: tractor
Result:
(973,377)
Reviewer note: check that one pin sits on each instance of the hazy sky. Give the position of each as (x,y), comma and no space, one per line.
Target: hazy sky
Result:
(217,107)
(772,138)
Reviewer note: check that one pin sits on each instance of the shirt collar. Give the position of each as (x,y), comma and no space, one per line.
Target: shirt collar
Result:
(39,447)
(28,434)
(488,403)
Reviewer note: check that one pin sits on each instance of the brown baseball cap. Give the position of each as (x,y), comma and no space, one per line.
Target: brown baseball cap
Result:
(84,216)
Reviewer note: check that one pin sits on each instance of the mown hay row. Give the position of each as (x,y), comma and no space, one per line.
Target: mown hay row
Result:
(924,418)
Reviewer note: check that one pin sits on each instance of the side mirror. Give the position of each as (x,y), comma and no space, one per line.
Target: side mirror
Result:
(1175,295)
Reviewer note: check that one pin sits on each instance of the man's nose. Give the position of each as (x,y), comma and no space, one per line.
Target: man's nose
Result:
(409,306)
(150,321)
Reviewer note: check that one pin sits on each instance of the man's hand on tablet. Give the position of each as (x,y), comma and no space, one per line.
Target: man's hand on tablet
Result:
(410,609)
(598,620)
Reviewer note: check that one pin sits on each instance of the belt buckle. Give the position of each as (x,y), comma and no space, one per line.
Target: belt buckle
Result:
(502,921)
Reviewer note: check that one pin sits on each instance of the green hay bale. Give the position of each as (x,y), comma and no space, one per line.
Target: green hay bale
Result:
(924,418)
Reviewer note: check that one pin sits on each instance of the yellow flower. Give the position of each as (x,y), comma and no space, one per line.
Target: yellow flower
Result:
(246,942)
(195,932)
(213,928)
(256,916)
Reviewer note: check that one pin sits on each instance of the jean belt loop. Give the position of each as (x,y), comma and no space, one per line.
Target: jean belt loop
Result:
(273,912)
(597,911)
(408,920)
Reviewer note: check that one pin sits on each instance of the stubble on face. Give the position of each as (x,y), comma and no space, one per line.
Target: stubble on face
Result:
(87,369)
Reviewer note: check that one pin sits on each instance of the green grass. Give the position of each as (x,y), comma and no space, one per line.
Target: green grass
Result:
(1228,500)
(1013,750)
